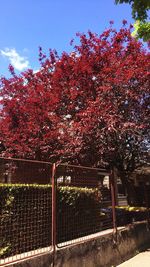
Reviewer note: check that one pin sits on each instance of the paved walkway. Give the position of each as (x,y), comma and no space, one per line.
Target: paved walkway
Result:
(140,260)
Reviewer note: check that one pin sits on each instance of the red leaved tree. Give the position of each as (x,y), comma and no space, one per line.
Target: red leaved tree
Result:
(112,84)
(89,106)
(30,124)
(106,93)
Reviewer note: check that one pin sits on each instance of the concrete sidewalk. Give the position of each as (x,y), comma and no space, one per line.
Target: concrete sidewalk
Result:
(140,260)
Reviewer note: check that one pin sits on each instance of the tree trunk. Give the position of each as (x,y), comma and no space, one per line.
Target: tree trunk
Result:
(129,189)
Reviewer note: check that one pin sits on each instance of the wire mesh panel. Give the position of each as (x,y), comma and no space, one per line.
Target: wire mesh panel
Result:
(83,203)
(138,211)
(24,171)
(25,208)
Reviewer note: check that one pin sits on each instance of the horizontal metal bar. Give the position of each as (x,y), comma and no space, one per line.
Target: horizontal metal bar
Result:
(103,171)
(85,167)
(27,160)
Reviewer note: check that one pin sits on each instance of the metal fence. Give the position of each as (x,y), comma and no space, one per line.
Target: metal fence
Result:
(25,209)
(80,201)
(44,206)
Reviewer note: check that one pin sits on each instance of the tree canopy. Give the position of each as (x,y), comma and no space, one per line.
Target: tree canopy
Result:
(140,10)
(88,107)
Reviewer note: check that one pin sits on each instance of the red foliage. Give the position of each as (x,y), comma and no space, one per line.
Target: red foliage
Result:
(89,106)
(28,118)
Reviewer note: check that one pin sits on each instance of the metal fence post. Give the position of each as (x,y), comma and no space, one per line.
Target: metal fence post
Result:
(113,203)
(53,208)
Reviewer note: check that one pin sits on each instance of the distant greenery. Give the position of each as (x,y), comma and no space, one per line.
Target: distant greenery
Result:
(142,30)
(140,10)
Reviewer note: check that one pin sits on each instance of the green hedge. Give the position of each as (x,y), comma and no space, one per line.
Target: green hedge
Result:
(25,218)
(25,215)
(78,212)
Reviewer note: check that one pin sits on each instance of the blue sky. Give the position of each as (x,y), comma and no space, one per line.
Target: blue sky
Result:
(28,24)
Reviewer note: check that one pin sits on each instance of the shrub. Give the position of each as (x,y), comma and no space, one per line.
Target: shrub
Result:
(127,214)
(25,215)
(78,212)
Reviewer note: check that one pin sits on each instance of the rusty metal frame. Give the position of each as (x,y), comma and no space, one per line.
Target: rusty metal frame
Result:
(112,184)
(13,261)
(53,211)
(26,160)
(80,239)
(54,201)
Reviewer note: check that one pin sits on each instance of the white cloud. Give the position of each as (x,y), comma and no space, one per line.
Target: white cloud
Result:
(19,63)
(36,71)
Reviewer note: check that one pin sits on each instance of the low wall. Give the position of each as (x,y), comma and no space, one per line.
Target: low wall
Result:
(102,251)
